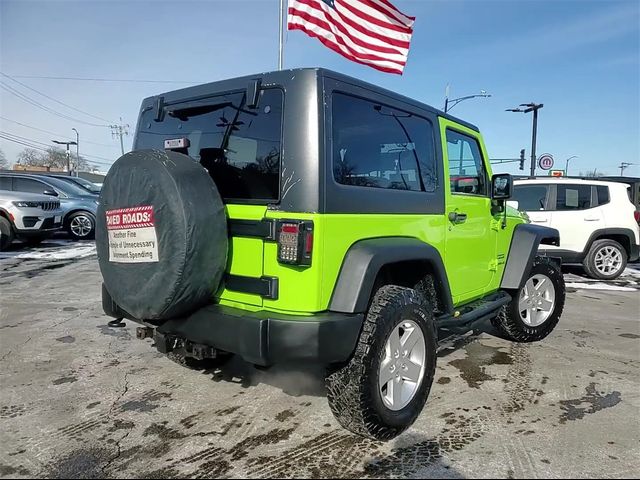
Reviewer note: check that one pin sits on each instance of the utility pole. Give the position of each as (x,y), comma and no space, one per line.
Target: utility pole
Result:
(531,107)
(120,131)
(68,156)
(623,166)
(77,150)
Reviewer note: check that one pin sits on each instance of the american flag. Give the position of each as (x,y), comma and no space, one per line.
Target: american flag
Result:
(371,32)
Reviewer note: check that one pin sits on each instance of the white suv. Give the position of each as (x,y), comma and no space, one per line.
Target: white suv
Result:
(27,216)
(595,220)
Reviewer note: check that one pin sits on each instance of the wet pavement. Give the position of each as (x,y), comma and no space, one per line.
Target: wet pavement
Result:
(81,400)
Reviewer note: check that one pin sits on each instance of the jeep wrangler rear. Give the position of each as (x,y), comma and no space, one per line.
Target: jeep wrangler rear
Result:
(304,215)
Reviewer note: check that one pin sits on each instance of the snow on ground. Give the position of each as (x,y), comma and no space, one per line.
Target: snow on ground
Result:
(599,286)
(51,250)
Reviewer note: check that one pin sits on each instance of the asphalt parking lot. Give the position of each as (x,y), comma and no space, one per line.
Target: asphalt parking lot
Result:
(80,399)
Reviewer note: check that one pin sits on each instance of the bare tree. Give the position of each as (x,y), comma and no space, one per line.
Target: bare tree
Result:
(4,163)
(52,158)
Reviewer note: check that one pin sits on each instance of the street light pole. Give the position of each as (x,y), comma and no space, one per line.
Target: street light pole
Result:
(449,104)
(68,156)
(77,150)
(566,167)
(623,166)
(531,107)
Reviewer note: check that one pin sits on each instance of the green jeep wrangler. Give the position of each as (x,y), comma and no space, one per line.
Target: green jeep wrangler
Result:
(306,216)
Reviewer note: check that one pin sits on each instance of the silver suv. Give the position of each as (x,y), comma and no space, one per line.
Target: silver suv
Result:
(78,205)
(27,216)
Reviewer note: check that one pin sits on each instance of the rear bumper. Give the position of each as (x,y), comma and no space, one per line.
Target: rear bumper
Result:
(263,338)
(635,253)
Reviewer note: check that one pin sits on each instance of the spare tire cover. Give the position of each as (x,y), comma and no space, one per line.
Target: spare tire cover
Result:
(163,251)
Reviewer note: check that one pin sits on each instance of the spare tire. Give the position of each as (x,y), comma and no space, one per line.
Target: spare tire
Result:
(161,235)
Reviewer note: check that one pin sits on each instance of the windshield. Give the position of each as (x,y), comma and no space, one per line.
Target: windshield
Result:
(92,187)
(68,187)
(239,146)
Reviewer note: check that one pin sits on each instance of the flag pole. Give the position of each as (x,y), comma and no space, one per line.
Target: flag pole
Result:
(281,40)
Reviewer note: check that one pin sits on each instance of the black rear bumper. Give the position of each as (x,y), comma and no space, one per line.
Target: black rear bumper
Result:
(263,338)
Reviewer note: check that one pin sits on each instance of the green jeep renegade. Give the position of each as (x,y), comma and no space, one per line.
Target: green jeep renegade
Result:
(306,216)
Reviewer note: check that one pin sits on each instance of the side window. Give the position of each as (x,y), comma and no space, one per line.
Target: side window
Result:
(573,197)
(466,167)
(28,185)
(530,197)
(602,195)
(381,147)
(5,183)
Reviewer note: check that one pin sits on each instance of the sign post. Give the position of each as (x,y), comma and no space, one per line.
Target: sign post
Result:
(545,161)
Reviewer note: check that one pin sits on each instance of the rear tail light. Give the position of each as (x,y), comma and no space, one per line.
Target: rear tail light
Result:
(295,242)
(636,215)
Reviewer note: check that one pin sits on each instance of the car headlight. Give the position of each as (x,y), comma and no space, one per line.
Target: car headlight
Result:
(26,204)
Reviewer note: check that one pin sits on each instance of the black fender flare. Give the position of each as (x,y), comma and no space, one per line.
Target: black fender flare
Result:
(607,233)
(524,247)
(365,258)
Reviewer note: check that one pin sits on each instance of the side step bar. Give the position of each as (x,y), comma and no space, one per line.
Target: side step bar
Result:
(473,312)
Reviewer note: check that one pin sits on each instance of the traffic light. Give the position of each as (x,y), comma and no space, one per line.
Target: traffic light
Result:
(522,159)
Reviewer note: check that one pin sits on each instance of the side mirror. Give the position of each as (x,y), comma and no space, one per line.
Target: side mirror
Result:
(513,204)
(501,186)
(53,193)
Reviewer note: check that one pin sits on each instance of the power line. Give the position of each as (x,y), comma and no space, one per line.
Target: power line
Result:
(29,142)
(35,103)
(121,80)
(54,133)
(53,99)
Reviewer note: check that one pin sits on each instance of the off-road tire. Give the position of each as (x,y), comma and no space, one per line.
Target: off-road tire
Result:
(7,235)
(352,389)
(508,322)
(589,262)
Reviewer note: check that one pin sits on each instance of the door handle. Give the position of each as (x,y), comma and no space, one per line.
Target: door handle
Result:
(591,219)
(541,220)
(457,218)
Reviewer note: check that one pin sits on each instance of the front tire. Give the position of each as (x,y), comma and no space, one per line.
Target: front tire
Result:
(81,226)
(6,234)
(536,308)
(606,260)
(381,391)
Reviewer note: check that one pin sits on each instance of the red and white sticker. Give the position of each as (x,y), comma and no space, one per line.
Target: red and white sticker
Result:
(132,235)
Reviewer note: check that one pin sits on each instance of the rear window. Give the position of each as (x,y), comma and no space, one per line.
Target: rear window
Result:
(573,197)
(241,147)
(381,147)
(530,197)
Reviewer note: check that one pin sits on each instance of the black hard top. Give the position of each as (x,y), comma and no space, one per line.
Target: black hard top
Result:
(284,77)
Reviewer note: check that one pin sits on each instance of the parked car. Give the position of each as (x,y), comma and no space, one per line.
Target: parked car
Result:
(84,183)
(381,224)
(78,206)
(596,221)
(27,216)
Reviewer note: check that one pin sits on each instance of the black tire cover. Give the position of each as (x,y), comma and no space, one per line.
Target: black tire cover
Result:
(190,226)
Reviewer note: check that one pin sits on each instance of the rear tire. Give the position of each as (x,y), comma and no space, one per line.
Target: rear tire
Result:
(526,318)
(606,260)
(6,234)
(358,396)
